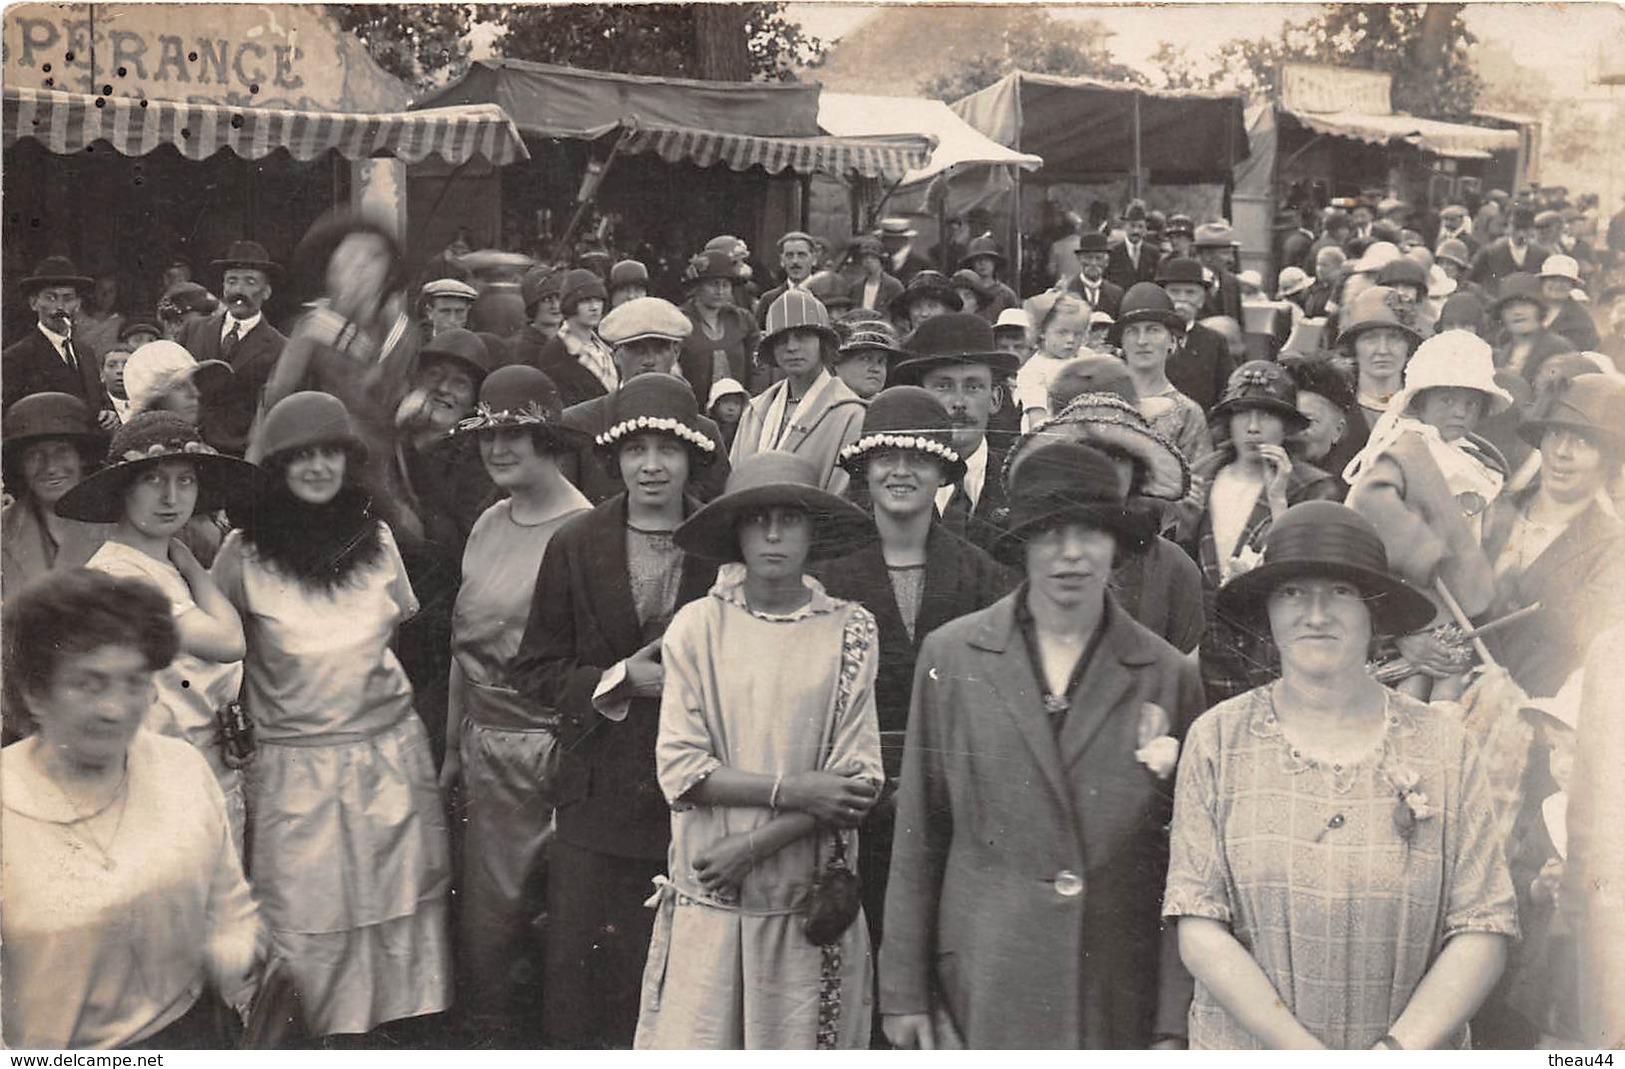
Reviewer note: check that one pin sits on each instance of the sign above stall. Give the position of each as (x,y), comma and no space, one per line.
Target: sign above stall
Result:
(1311,87)
(241,55)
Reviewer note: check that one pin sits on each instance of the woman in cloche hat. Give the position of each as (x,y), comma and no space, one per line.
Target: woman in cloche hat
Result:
(51,442)
(1254,481)
(354,890)
(1052,703)
(608,586)
(767,773)
(1297,798)
(499,743)
(724,341)
(159,472)
(1526,341)
(1149,329)
(1378,332)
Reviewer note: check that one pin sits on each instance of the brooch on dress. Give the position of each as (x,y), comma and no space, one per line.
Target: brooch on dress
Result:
(1411,806)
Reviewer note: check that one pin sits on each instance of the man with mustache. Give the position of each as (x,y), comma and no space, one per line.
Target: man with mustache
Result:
(240,335)
(47,360)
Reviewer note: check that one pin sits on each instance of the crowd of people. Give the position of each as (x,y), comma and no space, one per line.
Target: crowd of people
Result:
(517,657)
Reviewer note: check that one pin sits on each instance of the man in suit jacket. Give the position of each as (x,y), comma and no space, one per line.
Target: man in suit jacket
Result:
(647,334)
(1453,226)
(798,256)
(903,260)
(1103,295)
(1037,774)
(1215,245)
(877,289)
(1201,363)
(1135,260)
(1512,254)
(240,335)
(46,360)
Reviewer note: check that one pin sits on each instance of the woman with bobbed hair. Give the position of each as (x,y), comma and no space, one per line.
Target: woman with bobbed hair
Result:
(1336,869)
(124,896)
(349,846)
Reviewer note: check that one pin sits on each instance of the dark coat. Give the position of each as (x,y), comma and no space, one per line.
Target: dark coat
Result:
(548,354)
(1225,298)
(587,470)
(1494,262)
(582,622)
(1316,298)
(1111,295)
(1547,344)
(890,289)
(1162,589)
(982,526)
(1123,273)
(32,365)
(997,821)
(1201,365)
(1580,584)
(1575,323)
(230,412)
(913,264)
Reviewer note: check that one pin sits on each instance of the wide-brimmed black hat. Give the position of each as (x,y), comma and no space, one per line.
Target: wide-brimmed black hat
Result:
(982,246)
(658,404)
(1592,404)
(151,438)
(316,248)
(1266,386)
(250,254)
(927,285)
(48,415)
(521,396)
(1068,482)
(955,338)
(463,347)
(905,417)
(762,481)
(1147,302)
(1325,540)
(55,271)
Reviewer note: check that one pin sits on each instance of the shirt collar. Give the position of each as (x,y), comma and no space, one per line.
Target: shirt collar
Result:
(57,340)
(243,325)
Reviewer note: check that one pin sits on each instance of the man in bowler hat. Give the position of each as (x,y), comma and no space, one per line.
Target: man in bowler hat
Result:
(46,360)
(239,334)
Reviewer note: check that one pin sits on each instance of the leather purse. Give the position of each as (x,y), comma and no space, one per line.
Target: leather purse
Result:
(834,900)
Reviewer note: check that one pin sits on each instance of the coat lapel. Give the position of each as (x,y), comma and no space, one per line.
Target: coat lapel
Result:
(1107,681)
(608,588)
(817,404)
(1009,677)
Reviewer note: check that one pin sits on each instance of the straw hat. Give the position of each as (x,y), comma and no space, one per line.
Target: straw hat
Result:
(158,366)
(762,481)
(150,438)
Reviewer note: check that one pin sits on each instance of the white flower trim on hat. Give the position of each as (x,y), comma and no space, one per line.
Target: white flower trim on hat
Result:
(168,449)
(912,442)
(663,424)
(530,414)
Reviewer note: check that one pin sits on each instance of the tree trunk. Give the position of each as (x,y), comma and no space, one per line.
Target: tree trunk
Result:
(1433,35)
(719,41)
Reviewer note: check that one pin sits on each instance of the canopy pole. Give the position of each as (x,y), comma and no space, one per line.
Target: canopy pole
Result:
(1134,180)
(590,188)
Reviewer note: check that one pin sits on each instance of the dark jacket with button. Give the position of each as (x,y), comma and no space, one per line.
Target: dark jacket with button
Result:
(32,365)
(228,414)
(583,622)
(1027,874)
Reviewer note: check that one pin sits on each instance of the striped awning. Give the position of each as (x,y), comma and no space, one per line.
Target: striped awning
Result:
(70,122)
(887,158)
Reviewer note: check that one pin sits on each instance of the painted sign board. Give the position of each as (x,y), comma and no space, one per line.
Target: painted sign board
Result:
(241,55)
(1311,87)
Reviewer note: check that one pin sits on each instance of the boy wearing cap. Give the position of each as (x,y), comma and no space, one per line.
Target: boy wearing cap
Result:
(445,303)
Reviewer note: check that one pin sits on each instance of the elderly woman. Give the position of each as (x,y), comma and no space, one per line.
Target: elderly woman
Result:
(348,837)
(1030,846)
(158,473)
(124,895)
(1336,870)
(498,741)
(1378,334)
(609,583)
(809,412)
(50,442)
(766,772)
(1254,481)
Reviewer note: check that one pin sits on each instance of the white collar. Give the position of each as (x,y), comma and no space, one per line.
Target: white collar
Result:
(243,325)
(58,340)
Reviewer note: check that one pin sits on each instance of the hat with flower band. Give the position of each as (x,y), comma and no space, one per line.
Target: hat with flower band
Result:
(151,438)
(1262,385)
(711,264)
(656,404)
(908,418)
(521,396)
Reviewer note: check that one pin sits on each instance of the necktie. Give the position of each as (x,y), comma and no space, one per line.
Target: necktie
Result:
(70,357)
(957,515)
(229,342)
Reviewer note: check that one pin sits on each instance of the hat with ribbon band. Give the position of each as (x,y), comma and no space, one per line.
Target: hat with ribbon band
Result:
(151,438)
(1265,386)
(767,480)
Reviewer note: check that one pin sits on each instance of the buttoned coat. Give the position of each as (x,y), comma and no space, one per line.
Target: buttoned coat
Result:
(982,525)
(32,365)
(831,420)
(1027,871)
(1494,262)
(1109,300)
(1123,272)
(232,407)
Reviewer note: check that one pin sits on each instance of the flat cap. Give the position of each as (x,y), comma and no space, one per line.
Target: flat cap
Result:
(645,317)
(449,287)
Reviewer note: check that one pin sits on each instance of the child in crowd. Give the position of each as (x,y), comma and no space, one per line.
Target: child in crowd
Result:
(727,404)
(113,362)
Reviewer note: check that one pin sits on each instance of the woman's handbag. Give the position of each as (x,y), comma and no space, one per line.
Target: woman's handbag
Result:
(834,900)
(237,735)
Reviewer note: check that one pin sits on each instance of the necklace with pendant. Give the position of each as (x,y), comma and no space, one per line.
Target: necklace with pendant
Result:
(78,830)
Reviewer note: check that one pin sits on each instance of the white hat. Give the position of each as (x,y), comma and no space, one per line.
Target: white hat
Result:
(154,368)
(1376,257)
(1096,319)
(645,317)
(724,388)
(1251,279)
(1014,317)
(1439,283)
(1560,266)
(1292,280)
(449,287)
(1452,358)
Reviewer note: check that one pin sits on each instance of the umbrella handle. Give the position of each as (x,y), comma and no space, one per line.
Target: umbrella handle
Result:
(1463,622)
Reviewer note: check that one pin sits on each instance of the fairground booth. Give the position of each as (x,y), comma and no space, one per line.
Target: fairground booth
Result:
(138,134)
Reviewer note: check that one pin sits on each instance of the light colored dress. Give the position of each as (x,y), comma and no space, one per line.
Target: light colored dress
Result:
(507,743)
(349,847)
(112,923)
(1180,420)
(738,972)
(191,689)
(1309,867)
(1032,385)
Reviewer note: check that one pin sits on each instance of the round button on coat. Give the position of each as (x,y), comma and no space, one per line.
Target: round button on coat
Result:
(1068,884)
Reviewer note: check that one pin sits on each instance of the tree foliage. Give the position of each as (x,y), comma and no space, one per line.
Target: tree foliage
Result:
(427,43)
(1426,47)
(1031,40)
